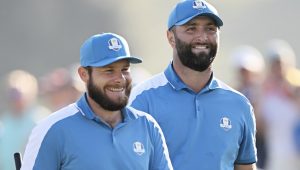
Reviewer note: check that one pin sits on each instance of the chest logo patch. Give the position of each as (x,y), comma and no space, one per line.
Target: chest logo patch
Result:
(138,148)
(225,123)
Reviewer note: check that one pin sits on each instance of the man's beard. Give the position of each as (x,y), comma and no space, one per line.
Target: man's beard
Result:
(103,100)
(197,62)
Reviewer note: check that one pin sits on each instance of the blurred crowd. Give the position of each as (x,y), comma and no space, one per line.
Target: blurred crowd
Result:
(30,99)
(269,79)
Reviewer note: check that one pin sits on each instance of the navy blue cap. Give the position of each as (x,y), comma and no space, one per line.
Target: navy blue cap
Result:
(103,49)
(186,10)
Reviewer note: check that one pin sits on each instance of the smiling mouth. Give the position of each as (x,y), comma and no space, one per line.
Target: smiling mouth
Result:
(202,47)
(114,89)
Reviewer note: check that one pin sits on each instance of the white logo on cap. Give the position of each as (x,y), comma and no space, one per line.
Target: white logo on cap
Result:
(138,148)
(114,44)
(225,123)
(198,4)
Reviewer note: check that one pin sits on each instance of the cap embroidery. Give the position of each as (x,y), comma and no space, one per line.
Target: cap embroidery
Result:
(114,44)
(198,4)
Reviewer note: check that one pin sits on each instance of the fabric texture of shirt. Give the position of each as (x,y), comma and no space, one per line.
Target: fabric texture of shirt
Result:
(210,130)
(74,138)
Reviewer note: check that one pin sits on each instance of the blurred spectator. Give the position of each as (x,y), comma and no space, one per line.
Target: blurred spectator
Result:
(294,78)
(249,66)
(61,87)
(279,109)
(16,122)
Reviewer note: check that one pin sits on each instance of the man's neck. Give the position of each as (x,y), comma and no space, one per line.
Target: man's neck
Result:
(196,80)
(112,118)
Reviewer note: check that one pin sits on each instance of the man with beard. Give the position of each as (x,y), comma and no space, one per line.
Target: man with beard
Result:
(98,132)
(207,124)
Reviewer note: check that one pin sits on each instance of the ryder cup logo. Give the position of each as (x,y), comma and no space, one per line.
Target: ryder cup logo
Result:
(114,44)
(138,148)
(198,4)
(225,123)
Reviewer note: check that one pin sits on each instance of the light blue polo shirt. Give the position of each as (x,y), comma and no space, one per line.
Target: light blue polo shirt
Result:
(74,138)
(210,130)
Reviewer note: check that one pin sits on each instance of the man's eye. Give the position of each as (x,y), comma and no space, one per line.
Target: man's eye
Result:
(190,28)
(211,29)
(108,71)
(125,69)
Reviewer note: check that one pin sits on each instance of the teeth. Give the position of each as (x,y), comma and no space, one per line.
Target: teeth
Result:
(200,47)
(116,89)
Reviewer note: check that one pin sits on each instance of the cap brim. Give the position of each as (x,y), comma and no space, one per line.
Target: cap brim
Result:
(108,61)
(217,20)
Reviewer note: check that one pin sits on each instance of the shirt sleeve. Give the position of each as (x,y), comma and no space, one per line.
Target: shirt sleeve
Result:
(160,159)
(247,152)
(43,150)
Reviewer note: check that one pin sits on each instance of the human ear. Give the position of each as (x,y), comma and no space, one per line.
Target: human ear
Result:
(83,74)
(171,38)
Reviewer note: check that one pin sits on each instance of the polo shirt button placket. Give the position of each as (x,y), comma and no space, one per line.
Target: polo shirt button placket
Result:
(113,136)
(198,107)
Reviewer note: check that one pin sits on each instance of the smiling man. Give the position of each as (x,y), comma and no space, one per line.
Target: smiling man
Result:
(207,124)
(99,132)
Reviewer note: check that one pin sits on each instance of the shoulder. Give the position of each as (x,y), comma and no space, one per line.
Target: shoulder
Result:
(231,92)
(42,137)
(156,81)
(44,125)
(138,114)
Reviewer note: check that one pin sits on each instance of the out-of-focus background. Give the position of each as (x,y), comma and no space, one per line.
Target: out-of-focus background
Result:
(43,37)
(39,35)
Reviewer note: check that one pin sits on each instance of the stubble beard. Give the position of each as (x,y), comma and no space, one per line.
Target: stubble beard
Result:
(99,96)
(198,62)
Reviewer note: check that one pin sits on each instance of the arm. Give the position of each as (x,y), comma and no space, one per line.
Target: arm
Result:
(160,159)
(42,150)
(245,167)
(247,151)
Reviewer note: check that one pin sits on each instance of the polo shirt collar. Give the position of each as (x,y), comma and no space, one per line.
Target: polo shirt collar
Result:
(86,110)
(178,84)
(174,79)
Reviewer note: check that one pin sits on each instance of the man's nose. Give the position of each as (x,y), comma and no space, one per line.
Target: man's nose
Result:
(201,35)
(120,77)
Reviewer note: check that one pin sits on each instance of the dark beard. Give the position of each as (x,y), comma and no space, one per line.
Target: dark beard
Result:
(103,100)
(197,62)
